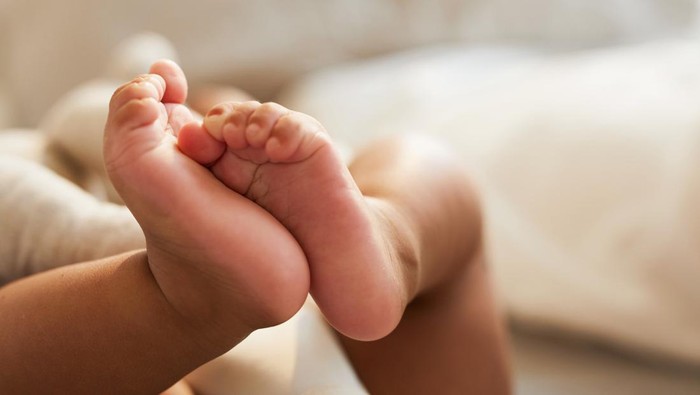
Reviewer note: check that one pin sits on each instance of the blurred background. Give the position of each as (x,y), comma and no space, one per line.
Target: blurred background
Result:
(580,119)
(262,45)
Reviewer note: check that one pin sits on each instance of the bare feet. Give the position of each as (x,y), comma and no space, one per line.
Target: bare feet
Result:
(217,256)
(285,162)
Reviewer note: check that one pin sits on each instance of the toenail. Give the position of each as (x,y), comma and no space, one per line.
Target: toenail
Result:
(147,85)
(215,111)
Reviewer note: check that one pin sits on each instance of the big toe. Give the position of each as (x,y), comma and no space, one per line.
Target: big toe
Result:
(133,106)
(195,142)
(174,78)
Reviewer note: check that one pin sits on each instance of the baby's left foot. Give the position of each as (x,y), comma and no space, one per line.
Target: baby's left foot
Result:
(285,162)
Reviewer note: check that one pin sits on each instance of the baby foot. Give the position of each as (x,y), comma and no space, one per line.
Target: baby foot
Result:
(285,162)
(208,247)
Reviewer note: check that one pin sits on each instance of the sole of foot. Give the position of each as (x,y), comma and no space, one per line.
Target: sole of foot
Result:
(285,162)
(215,254)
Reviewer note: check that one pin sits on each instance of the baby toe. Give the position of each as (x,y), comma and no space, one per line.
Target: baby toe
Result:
(261,122)
(195,142)
(141,87)
(215,119)
(295,137)
(235,124)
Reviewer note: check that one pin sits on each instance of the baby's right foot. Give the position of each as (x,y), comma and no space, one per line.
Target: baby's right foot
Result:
(217,257)
(285,162)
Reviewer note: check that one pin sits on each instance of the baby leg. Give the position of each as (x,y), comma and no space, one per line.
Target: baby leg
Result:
(451,338)
(395,241)
(136,323)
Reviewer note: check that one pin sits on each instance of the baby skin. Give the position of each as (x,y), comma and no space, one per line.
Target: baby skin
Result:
(244,215)
(285,162)
(251,209)
(224,203)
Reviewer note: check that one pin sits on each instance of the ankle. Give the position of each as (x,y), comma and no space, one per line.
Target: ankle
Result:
(193,296)
(401,242)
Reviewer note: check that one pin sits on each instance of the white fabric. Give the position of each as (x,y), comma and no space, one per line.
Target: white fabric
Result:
(47,222)
(589,164)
